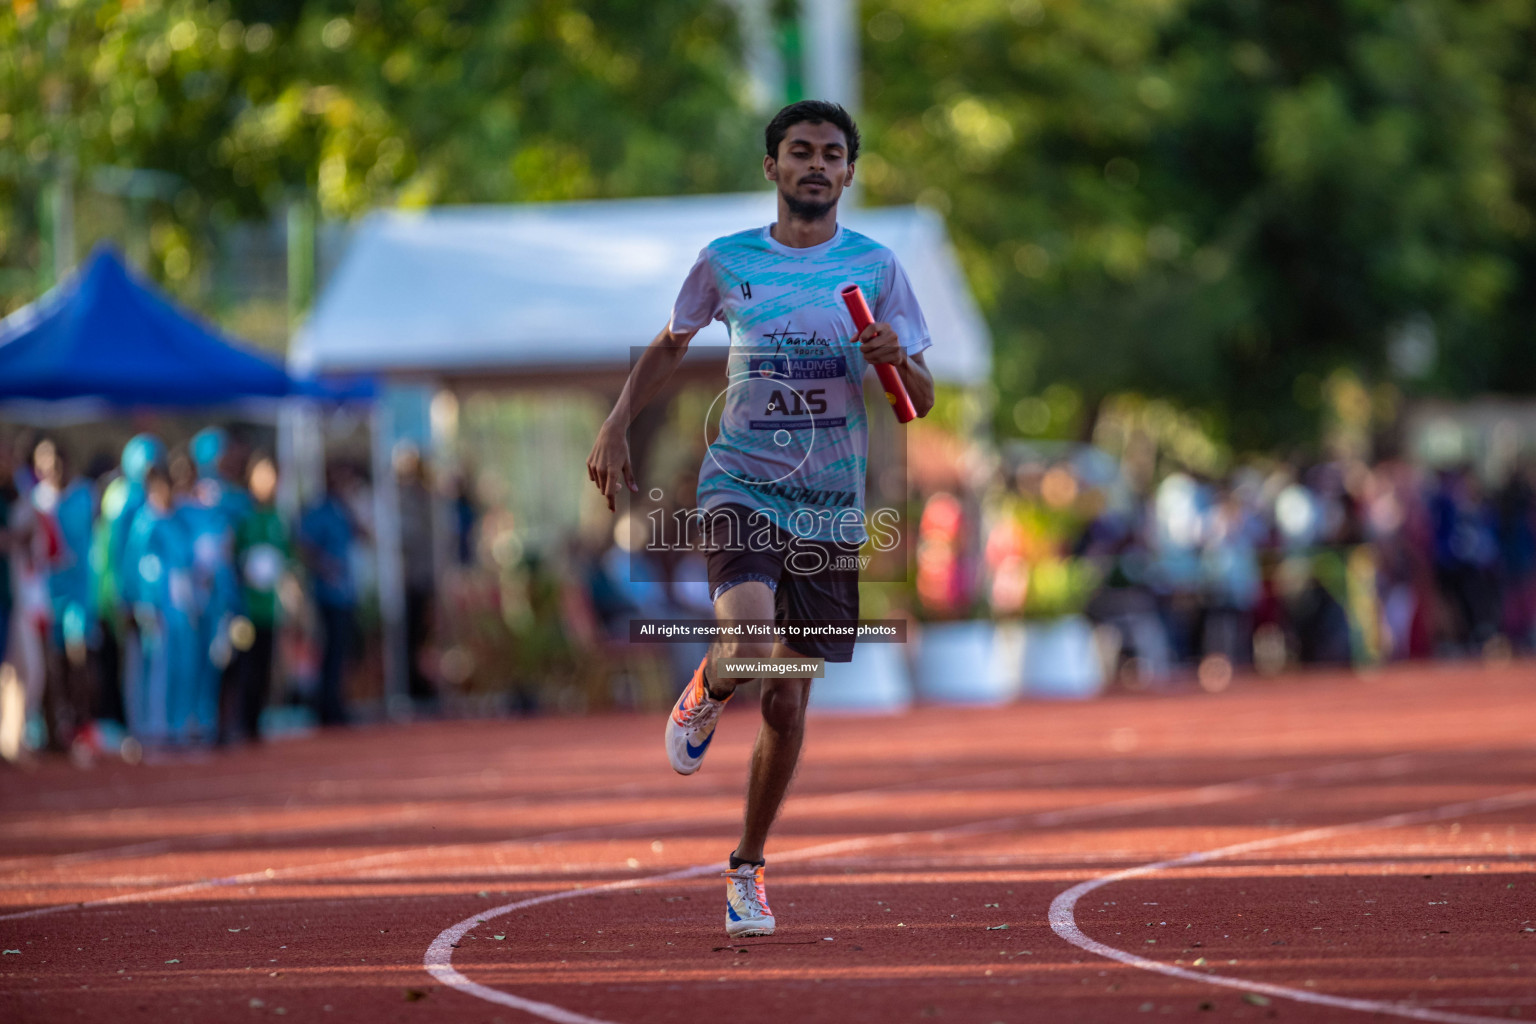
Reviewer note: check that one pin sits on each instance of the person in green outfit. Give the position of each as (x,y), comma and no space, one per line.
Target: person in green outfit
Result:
(262,554)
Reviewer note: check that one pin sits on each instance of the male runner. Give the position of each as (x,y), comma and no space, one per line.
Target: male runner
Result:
(782,486)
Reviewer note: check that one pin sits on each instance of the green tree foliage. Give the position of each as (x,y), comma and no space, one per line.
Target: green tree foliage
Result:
(249,103)
(1220,200)
(1217,201)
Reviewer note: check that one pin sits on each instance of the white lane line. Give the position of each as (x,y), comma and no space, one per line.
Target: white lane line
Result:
(1516,1000)
(643,826)
(86,856)
(600,831)
(1064,922)
(413,812)
(439,956)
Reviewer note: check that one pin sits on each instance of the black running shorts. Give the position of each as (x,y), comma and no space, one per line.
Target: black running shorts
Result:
(812,581)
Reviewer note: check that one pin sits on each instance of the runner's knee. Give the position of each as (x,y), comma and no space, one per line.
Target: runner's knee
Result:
(784,702)
(743,647)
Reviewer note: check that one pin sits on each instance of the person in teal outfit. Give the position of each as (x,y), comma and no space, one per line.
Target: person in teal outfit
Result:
(158,565)
(120,503)
(213,451)
(220,471)
(215,587)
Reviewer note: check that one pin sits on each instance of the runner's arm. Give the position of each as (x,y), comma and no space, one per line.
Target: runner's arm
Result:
(919,381)
(608,464)
(880,344)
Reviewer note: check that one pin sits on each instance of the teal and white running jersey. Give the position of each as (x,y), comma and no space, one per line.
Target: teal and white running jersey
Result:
(793,437)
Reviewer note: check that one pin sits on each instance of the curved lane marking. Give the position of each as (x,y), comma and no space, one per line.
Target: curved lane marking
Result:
(1394,765)
(439,957)
(611,830)
(1064,922)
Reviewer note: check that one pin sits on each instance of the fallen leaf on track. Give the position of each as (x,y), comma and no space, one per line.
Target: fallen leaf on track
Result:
(414,994)
(1255,999)
(997,928)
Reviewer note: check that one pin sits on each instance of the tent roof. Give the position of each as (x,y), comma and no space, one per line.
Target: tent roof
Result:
(104,334)
(572,287)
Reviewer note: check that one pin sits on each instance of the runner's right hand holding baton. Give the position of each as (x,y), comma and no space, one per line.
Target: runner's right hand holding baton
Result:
(890,379)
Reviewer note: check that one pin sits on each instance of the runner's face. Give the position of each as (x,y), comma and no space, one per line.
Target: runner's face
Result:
(812,168)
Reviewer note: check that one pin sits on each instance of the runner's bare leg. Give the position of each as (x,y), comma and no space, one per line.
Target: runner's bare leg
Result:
(774,756)
(777,750)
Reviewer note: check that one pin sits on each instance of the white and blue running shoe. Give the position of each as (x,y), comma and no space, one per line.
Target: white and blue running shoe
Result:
(746,903)
(691,725)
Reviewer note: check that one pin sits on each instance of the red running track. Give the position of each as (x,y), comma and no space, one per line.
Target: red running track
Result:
(1328,848)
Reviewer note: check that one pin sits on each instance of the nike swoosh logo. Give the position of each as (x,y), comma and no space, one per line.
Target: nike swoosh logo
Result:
(698,751)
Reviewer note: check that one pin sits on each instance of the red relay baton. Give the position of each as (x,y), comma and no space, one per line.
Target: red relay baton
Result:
(895,390)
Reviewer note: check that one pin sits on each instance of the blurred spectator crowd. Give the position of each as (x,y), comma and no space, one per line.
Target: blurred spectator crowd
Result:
(158,600)
(140,599)
(1341,562)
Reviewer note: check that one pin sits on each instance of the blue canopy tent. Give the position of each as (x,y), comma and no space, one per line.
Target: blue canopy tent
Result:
(108,336)
(105,341)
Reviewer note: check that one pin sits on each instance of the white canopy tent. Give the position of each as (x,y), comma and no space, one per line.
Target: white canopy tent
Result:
(562,294)
(562,289)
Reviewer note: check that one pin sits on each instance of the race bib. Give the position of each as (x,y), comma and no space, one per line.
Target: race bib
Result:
(798,392)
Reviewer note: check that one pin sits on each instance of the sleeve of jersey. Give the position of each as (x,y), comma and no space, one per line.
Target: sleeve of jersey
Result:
(898,307)
(698,301)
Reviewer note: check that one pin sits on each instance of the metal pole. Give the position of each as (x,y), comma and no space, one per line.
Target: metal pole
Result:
(390,571)
(64,257)
(63,200)
(442,462)
(829,33)
(763,58)
(829,36)
(46,217)
(301,258)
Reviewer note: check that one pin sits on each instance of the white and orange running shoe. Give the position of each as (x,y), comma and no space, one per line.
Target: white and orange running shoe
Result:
(691,725)
(746,902)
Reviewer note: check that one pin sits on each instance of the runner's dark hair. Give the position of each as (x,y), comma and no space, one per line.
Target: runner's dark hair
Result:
(811,112)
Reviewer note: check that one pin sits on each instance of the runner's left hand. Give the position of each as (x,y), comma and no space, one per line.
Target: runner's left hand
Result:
(879,344)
